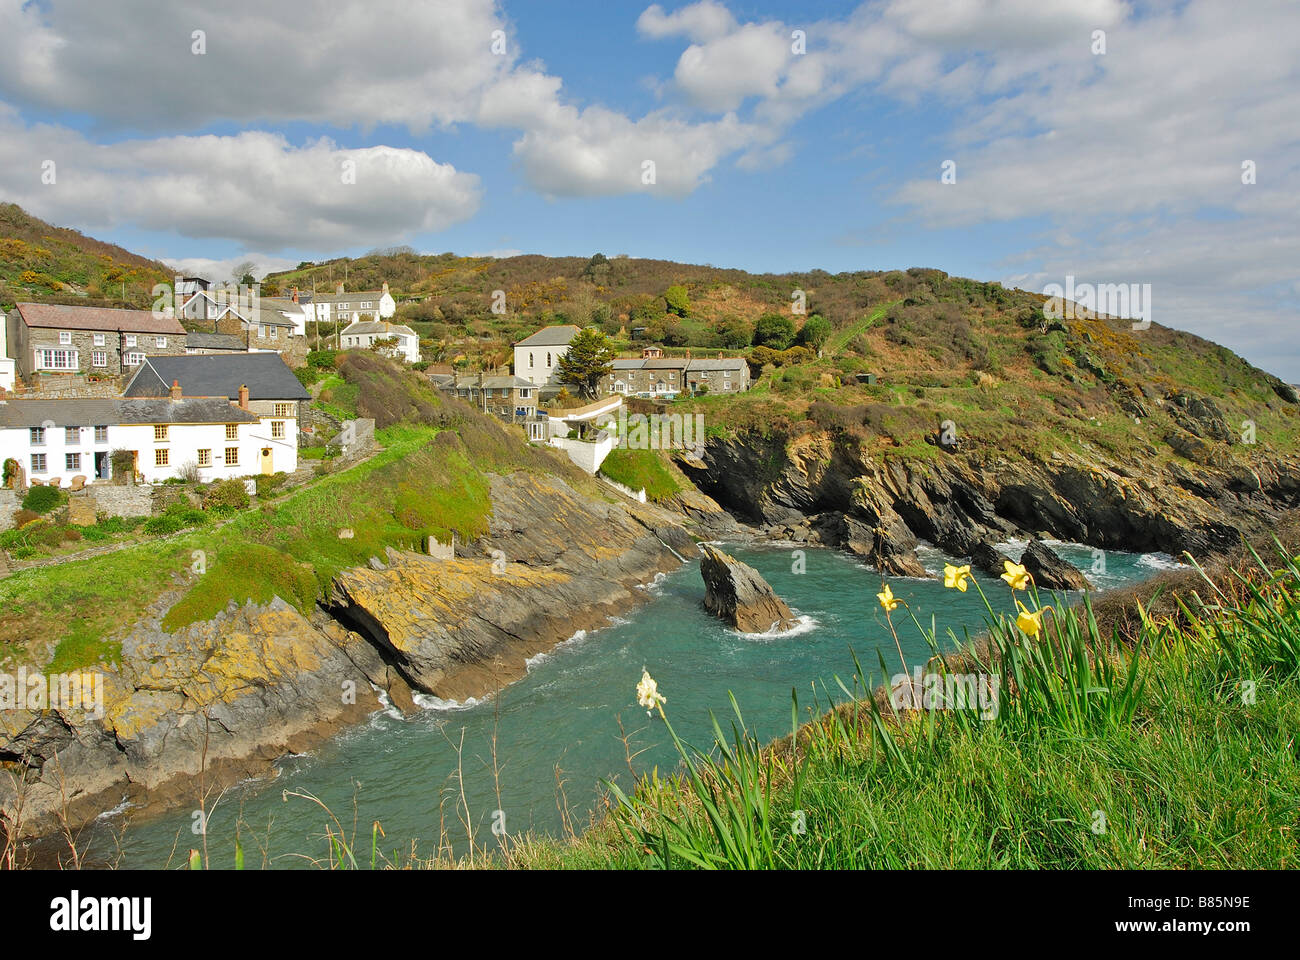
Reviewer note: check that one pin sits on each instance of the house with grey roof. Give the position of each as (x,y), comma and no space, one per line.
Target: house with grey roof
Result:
(537,356)
(204,343)
(361,334)
(71,442)
(343,307)
(48,339)
(506,397)
(654,375)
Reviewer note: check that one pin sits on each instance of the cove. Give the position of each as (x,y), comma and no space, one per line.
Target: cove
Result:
(557,729)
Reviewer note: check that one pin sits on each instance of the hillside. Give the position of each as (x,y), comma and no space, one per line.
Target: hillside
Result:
(39,261)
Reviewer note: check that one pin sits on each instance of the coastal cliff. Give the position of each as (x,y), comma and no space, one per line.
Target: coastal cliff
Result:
(220,699)
(819,487)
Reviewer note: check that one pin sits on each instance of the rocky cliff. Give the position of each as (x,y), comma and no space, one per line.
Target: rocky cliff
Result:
(824,488)
(188,711)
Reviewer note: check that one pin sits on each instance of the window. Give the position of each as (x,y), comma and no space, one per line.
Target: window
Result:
(673,375)
(134,359)
(365,304)
(71,435)
(160,342)
(275,333)
(38,436)
(232,431)
(99,358)
(56,359)
(277,429)
(261,330)
(232,456)
(101,434)
(65,337)
(205,458)
(38,463)
(284,409)
(160,457)
(530,360)
(344,306)
(99,339)
(159,432)
(130,340)
(525,393)
(548,360)
(72,461)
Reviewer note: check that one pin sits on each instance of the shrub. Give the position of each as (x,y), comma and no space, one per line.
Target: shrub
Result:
(267,483)
(43,499)
(225,496)
(322,359)
(24,517)
(11,469)
(123,465)
(22,553)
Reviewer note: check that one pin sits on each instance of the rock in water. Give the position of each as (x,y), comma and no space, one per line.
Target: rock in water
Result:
(984,556)
(738,594)
(1049,571)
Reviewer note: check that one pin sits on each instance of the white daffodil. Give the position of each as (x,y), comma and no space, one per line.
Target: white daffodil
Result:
(647,692)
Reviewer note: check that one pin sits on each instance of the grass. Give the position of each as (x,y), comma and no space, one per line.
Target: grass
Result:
(1172,748)
(641,470)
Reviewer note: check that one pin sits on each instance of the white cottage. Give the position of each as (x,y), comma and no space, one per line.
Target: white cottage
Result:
(366,333)
(63,440)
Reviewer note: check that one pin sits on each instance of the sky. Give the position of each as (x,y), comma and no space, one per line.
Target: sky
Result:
(1109,141)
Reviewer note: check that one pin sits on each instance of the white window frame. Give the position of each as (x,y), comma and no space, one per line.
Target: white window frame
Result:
(99,358)
(160,342)
(65,338)
(130,339)
(133,359)
(51,358)
(99,340)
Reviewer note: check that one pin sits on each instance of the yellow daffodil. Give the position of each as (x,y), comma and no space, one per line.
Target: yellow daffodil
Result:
(886,598)
(956,576)
(647,692)
(1030,623)
(1016,575)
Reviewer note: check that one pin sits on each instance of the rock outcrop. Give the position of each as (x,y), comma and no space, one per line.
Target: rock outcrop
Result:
(221,699)
(986,557)
(1049,571)
(738,594)
(975,496)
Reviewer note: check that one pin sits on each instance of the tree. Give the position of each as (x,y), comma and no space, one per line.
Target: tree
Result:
(815,332)
(774,330)
(589,360)
(243,273)
(735,333)
(677,299)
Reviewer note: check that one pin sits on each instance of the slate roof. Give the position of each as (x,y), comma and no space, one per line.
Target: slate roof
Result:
(266,375)
(113,411)
(67,317)
(495,382)
(215,341)
(718,363)
(553,336)
(377,327)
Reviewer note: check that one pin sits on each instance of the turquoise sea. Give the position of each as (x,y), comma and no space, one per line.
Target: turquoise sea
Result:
(560,730)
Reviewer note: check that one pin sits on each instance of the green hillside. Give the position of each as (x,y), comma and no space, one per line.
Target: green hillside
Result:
(39,261)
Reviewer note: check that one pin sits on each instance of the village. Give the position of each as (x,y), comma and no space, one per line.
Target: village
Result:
(105,403)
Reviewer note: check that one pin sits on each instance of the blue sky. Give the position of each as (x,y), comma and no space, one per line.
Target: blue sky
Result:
(1116,166)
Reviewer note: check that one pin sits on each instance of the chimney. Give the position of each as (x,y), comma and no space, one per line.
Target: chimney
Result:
(176,389)
(340,288)
(243,397)
(385,286)
(295,294)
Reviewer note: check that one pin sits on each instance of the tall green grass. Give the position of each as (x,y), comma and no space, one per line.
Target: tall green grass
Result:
(1171,748)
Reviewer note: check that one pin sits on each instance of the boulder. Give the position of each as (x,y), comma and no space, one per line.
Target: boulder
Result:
(1049,571)
(738,594)
(984,556)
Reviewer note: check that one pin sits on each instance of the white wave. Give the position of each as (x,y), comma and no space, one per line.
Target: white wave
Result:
(428,701)
(654,587)
(1159,561)
(386,704)
(122,807)
(803,624)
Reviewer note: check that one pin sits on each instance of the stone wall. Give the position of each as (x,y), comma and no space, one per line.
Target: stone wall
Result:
(9,502)
(123,501)
(59,385)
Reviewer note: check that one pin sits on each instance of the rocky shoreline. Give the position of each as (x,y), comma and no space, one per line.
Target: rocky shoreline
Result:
(222,700)
(820,488)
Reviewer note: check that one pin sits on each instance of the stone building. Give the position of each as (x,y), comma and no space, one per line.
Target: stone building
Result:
(48,339)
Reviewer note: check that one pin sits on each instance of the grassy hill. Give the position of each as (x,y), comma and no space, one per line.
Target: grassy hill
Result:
(42,262)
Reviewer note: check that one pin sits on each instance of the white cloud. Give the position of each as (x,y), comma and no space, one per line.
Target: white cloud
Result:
(698,21)
(220,271)
(255,187)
